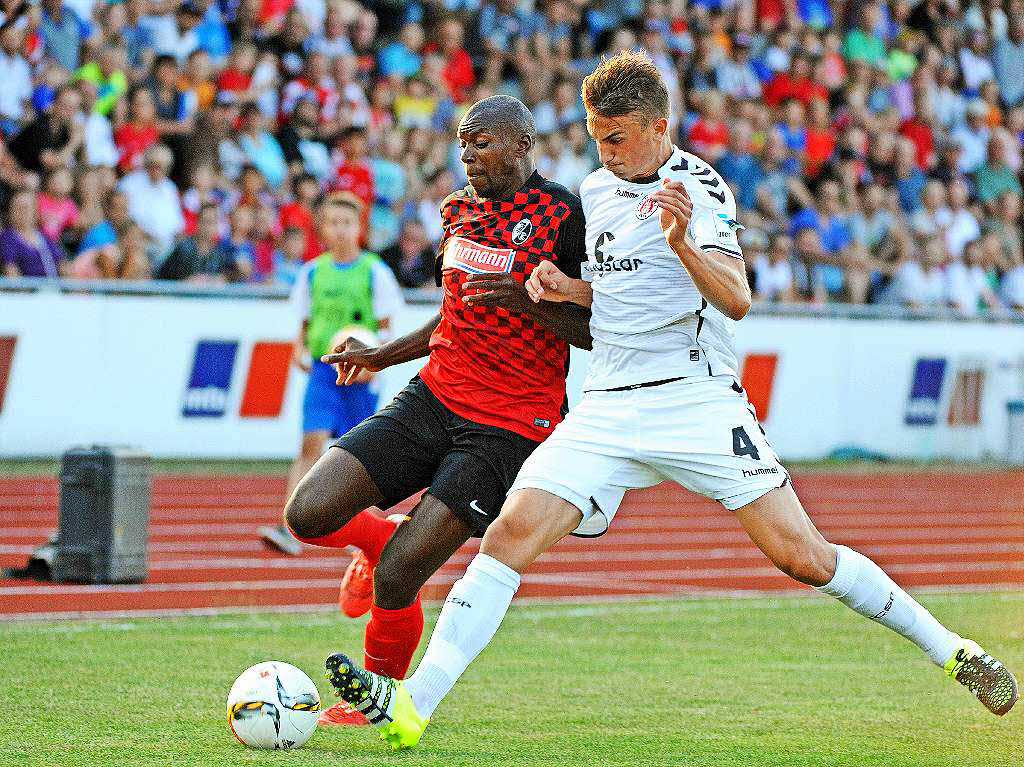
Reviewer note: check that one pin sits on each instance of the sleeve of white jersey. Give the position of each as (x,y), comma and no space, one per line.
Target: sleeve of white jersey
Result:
(713,228)
(586,195)
(387,298)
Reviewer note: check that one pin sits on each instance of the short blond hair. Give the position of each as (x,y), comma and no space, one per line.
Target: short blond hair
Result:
(343,199)
(627,82)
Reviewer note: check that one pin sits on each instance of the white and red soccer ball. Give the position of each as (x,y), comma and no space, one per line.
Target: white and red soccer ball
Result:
(273,705)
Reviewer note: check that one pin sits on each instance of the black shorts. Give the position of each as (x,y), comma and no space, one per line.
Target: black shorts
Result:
(416,442)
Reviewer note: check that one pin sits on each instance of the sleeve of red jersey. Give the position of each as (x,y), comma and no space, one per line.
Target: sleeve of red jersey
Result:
(570,246)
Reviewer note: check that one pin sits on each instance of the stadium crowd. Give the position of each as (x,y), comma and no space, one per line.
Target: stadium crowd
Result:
(874,149)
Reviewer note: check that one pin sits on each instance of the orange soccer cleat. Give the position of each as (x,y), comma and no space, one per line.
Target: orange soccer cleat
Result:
(356,596)
(341,714)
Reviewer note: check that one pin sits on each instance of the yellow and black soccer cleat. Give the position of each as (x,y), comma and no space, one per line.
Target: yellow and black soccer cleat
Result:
(384,701)
(987,679)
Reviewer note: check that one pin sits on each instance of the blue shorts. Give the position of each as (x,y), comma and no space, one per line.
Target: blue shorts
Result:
(332,408)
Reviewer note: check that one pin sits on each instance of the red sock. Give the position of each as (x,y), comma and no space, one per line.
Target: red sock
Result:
(366,531)
(391,639)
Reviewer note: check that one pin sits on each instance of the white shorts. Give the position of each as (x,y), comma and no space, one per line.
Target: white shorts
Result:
(699,432)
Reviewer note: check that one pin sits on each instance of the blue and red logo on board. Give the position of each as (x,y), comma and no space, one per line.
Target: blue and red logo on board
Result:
(208,392)
(925,392)
(964,395)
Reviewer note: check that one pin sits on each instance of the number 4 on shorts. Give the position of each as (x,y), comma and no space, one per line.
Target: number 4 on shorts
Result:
(741,444)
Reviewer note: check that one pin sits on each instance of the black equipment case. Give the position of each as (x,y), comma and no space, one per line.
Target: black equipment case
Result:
(104,516)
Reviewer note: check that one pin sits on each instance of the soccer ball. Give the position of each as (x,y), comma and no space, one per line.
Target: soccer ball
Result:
(273,705)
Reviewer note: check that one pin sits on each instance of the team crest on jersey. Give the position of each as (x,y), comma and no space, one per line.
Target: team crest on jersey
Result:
(468,256)
(522,231)
(646,207)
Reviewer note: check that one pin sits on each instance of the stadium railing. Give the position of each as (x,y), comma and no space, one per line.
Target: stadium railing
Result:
(432,296)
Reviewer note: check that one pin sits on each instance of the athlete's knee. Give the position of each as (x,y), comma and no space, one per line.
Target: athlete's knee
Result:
(511,527)
(314,509)
(813,564)
(303,513)
(528,524)
(396,581)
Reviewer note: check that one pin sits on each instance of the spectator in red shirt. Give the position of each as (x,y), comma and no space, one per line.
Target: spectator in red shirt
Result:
(355,174)
(770,13)
(274,11)
(794,84)
(236,78)
(265,234)
(299,213)
(821,138)
(918,128)
(709,135)
(458,67)
(140,132)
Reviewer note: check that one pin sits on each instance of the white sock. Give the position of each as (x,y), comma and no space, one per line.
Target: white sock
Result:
(471,615)
(862,586)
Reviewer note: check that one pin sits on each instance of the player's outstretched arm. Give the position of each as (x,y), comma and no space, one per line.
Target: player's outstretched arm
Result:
(354,356)
(568,321)
(548,283)
(721,279)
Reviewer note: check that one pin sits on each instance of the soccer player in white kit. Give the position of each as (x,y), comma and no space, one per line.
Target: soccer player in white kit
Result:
(665,281)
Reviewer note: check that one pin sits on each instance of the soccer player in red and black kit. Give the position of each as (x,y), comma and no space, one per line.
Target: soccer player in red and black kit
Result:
(492,390)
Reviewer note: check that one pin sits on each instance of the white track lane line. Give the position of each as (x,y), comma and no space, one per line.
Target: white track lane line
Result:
(656,534)
(529,608)
(590,578)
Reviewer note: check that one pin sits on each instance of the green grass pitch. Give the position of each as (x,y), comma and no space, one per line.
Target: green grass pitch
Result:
(719,682)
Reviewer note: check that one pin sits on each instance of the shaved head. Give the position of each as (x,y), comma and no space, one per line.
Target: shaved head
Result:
(496,139)
(502,116)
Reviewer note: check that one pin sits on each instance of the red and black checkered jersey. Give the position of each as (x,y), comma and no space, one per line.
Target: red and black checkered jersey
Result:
(488,364)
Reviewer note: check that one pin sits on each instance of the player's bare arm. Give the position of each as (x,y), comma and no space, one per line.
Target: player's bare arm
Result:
(548,283)
(722,280)
(354,356)
(300,353)
(569,321)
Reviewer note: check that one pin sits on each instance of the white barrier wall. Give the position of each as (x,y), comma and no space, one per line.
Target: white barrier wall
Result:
(210,378)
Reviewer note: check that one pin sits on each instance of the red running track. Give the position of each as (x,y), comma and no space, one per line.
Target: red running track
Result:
(926,529)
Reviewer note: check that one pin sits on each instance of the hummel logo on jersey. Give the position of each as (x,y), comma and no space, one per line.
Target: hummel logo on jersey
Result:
(522,232)
(758,472)
(620,192)
(466,255)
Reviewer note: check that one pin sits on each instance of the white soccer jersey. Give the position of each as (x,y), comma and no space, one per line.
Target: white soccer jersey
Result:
(649,320)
